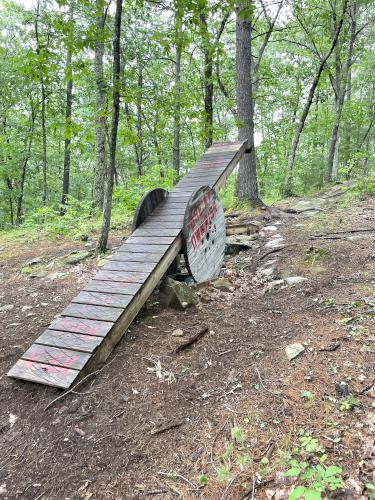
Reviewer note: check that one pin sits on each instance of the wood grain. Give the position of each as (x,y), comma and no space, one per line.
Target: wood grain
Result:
(68,340)
(40,373)
(57,356)
(87,311)
(112,287)
(85,326)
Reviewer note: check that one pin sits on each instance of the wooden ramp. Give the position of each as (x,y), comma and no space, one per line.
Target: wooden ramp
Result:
(89,328)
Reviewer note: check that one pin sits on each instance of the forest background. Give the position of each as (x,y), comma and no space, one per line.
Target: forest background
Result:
(101,101)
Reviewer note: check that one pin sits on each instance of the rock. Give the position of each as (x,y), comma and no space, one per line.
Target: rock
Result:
(76,258)
(3,490)
(307,205)
(294,280)
(26,308)
(178,333)
(275,243)
(7,307)
(238,243)
(267,269)
(275,285)
(41,274)
(176,294)
(222,284)
(342,389)
(293,350)
(57,276)
(34,262)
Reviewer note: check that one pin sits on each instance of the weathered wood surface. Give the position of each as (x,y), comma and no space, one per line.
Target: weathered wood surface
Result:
(204,235)
(147,204)
(99,316)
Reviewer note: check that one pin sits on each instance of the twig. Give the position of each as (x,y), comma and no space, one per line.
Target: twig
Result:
(267,390)
(172,475)
(166,428)
(192,340)
(320,235)
(213,444)
(78,384)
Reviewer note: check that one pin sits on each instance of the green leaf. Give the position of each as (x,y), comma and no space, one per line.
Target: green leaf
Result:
(298,492)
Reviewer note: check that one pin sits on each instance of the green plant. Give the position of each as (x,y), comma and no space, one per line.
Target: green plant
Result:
(202,479)
(243,461)
(223,474)
(349,403)
(309,443)
(370,490)
(307,395)
(315,479)
(237,435)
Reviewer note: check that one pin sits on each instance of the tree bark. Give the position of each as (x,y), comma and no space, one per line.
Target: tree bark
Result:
(43,109)
(107,208)
(177,90)
(340,92)
(247,183)
(208,81)
(100,105)
(139,143)
(287,191)
(68,112)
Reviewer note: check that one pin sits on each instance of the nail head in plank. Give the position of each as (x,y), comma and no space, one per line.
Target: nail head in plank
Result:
(112,287)
(41,373)
(69,340)
(87,311)
(56,356)
(86,326)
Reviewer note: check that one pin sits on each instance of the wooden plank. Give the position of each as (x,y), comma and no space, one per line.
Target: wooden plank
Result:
(56,356)
(154,230)
(151,240)
(126,277)
(173,224)
(141,248)
(168,218)
(138,256)
(85,326)
(112,287)
(115,265)
(75,341)
(40,373)
(88,311)
(103,299)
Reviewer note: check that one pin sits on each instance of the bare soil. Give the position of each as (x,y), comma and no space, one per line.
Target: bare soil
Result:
(150,422)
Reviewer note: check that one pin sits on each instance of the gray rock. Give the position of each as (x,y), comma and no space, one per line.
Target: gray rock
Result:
(34,262)
(294,280)
(176,294)
(307,205)
(275,243)
(76,258)
(178,333)
(222,284)
(293,350)
(342,389)
(239,242)
(275,285)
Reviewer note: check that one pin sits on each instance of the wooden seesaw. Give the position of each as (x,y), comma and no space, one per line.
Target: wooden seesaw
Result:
(189,218)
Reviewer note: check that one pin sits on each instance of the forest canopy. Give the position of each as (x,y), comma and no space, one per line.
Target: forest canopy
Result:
(173,69)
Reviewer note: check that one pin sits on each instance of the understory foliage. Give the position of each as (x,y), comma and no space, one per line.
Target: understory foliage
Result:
(46,45)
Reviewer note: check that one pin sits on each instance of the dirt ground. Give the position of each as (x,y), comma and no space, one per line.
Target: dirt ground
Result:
(222,418)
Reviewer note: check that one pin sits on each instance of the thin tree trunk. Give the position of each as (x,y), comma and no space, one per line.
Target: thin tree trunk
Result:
(139,143)
(341,88)
(103,239)
(247,183)
(208,81)
(100,114)
(287,191)
(21,185)
(177,91)
(68,113)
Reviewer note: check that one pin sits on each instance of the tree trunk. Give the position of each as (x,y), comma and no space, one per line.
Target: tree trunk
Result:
(247,184)
(9,185)
(139,143)
(100,105)
(21,184)
(287,191)
(68,112)
(341,88)
(107,208)
(177,91)
(208,82)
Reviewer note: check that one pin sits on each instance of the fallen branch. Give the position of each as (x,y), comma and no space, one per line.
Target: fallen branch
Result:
(192,340)
(166,428)
(321,235)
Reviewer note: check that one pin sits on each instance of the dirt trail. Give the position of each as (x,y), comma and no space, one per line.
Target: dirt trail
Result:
(152,422)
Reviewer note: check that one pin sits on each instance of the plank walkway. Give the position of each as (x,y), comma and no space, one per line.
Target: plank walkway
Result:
(88,329)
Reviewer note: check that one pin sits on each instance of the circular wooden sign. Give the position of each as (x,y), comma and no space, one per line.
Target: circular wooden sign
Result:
(204,234)
(147,204)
